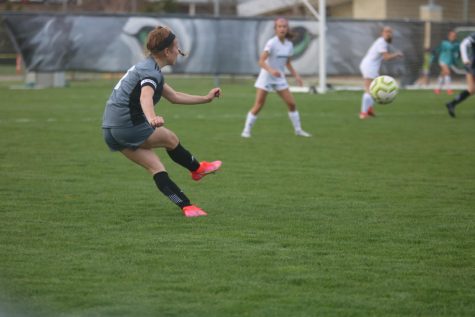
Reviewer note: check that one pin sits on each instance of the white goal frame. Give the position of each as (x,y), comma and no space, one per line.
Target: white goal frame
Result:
(322,58)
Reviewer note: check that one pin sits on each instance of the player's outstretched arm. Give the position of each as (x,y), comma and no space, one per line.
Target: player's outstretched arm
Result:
(177,97)
(389,56)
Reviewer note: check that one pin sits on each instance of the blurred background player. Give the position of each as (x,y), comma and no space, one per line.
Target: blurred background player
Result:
(131,126)
(447,51)
(427,59)
(273,60)
(467,52)
(370,66)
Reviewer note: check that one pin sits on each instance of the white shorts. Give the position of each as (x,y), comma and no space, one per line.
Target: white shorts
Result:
(369,72)
(270,83)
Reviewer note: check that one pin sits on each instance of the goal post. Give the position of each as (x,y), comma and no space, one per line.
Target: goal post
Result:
(321,18)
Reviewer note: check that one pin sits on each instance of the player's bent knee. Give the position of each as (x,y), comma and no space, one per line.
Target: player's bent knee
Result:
(172,140)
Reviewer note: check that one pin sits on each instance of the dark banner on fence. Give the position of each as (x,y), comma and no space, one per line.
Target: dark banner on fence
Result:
(106,43)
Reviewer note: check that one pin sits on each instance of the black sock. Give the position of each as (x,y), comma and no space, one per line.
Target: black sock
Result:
(181,156)
(170,189)
(461,97)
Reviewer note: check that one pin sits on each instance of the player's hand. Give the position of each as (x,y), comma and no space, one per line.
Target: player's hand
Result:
(157,122)
(213,93)
(275,73)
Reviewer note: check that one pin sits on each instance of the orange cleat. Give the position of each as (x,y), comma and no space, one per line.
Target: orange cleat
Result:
(449,92)
(193,211)
(205,169)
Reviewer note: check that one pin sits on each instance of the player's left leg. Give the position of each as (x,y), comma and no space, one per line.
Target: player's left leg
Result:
(163,137)
(294,115)
(441,81)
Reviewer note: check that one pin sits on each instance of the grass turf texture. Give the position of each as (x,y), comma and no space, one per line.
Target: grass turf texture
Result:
(366,218)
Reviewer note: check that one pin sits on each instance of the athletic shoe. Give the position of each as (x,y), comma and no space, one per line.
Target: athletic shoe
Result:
(449,92)
(371,112)
(302,133)
(246,134)
(451,108)
(437,91)
(363,115)
(205,169)
(193,211)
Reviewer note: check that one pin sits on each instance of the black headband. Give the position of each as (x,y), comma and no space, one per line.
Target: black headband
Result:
(166,42)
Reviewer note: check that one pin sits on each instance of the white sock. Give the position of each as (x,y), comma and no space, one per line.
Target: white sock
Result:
(441,82)
(366,102)
(294,117)
(447,80)
(250,120)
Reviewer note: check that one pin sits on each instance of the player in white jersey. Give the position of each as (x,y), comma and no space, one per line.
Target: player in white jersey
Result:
(370,66)
(273,60)
(130,124)
(467,52)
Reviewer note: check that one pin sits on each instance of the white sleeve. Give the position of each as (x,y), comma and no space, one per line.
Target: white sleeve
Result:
(383,47)
(268,47)
(464,49)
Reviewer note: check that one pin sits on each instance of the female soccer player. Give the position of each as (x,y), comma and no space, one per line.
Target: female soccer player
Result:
(131,126)
(467,45)
(447,50)
(370,65)
(273,60)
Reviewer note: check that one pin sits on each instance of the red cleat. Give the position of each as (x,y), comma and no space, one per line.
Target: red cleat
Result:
(205,169)
(193,211)
(371,112)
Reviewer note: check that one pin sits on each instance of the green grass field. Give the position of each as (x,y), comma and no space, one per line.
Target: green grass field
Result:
(366,218)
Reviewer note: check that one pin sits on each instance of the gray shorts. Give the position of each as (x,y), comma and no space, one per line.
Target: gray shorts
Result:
(118,139)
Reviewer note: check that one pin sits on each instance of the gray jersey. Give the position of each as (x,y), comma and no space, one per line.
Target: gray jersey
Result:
(123,108)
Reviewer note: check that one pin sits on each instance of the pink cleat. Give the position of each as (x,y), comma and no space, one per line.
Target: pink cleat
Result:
(205,169)
(193,211)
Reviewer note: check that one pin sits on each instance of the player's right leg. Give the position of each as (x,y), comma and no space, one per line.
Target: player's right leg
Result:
(147,158)
(251,116)
(367,101)
(369,72)
(446,78)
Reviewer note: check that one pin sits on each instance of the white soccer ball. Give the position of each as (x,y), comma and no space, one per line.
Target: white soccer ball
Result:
(383,89)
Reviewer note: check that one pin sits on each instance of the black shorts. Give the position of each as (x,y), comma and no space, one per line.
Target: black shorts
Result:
(470,68)
(118,139)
